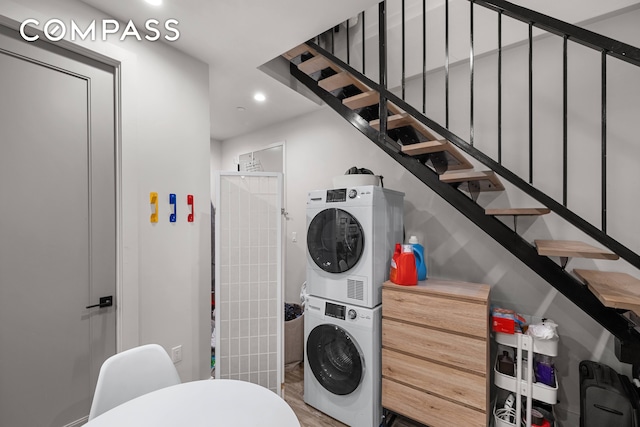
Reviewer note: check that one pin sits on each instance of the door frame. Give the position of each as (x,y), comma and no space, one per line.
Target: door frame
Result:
(125,70)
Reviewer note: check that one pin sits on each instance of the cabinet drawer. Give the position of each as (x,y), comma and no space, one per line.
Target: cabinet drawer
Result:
(464,352)
(460,316)
(428,409)
(459,386)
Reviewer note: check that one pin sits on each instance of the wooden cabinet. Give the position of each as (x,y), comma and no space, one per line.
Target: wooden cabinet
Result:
(435,352)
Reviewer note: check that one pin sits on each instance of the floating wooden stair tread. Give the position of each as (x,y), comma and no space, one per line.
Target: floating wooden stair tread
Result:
(337,81)
(296,51)
(436,146)
(571,248)
(394,122)
(317,63)
(517,211)
(615,290)
(340,80)
(362,100)
(426,147)
(486,180)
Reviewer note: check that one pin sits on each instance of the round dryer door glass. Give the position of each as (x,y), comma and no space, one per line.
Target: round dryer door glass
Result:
(335,240)
(334,359)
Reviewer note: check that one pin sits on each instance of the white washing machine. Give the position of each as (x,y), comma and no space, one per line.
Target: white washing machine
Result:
(342,372)
(351,234)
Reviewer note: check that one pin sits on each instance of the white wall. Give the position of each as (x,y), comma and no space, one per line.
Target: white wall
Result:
(215,164)
(322,145)
(165,274)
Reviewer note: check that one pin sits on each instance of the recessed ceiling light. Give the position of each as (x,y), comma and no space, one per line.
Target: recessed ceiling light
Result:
(154,2)
(241,109)
(259,97)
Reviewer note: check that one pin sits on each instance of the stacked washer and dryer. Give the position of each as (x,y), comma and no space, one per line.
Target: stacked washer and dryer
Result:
(351,234)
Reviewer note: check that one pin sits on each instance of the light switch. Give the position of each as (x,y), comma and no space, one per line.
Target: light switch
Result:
(294,236)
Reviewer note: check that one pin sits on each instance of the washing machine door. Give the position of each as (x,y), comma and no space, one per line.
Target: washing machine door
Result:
(335,359)
(335,240)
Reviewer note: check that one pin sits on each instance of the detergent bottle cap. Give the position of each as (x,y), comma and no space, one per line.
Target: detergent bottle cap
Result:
(413,240)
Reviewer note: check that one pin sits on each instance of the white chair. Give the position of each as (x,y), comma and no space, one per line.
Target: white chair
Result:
(130,374)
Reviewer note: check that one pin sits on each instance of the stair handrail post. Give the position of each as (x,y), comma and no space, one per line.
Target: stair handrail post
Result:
(382,34)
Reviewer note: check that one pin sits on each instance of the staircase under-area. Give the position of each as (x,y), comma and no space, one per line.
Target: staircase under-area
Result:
(440,159)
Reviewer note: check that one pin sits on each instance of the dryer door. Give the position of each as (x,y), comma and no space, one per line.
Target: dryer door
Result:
(335,359)
(335,240)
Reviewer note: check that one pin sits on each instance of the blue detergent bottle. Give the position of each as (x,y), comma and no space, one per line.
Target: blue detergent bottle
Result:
(418,251)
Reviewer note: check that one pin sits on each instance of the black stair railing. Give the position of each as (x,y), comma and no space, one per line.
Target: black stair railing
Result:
(611,319)
(550,271)
(607,47)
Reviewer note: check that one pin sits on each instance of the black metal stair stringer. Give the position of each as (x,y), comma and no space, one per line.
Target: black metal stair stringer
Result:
(553,273)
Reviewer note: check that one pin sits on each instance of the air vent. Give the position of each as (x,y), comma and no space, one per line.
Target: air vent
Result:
(355,289)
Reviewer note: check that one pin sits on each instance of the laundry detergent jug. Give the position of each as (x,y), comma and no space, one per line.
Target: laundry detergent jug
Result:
(406,273)
(421,263)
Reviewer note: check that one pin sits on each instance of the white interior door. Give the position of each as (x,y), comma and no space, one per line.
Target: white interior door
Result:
(249,293)
(57,231)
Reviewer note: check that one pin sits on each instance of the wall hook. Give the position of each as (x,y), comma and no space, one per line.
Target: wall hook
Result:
(172,201)
(190,203)
(153,199)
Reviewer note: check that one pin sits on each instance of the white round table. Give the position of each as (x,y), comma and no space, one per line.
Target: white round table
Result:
(202,403)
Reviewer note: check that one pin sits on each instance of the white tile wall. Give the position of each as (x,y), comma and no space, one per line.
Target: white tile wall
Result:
(249,300)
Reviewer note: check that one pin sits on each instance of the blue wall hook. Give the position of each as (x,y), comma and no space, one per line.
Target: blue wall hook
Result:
(172,201)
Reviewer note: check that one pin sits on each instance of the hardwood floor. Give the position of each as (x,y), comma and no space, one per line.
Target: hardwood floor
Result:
(308,415)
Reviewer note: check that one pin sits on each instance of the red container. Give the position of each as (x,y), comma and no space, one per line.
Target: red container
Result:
(406,271)
(393,272)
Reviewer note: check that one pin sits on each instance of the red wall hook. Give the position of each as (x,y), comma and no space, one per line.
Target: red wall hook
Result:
(190,203)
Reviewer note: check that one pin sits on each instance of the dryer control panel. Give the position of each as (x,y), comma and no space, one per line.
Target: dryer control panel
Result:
(339,195)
